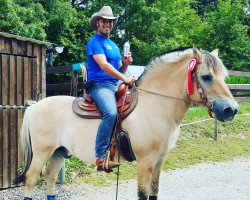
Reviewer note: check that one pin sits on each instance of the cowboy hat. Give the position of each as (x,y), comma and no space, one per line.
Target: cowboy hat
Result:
(106,13)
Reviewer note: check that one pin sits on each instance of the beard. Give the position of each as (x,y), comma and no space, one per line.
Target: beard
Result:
(105,32)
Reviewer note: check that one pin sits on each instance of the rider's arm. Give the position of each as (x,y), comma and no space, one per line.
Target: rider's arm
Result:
(109,69)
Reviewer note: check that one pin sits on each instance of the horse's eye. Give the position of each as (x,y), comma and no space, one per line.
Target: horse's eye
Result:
(207,78)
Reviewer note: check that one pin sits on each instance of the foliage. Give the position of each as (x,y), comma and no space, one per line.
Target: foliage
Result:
(65,27)
(237,80)
(160,26)
(223,29)
(151,26)
(25,18)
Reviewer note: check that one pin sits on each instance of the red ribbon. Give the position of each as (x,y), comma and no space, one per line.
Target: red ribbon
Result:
(191,68)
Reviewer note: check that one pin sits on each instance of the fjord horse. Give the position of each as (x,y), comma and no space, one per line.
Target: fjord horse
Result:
(167,87)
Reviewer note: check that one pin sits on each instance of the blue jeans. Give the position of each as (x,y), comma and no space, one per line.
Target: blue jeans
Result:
(104,96)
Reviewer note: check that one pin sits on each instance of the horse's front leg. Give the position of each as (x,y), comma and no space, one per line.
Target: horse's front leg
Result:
(144,174)
(154,184)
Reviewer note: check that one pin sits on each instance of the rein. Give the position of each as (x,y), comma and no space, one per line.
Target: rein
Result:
(163,95)
(119,125)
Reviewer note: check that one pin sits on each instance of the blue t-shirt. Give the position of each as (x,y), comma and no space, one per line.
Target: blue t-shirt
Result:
(102,45)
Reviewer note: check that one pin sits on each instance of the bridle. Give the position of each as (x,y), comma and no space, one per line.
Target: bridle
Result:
(191,76)
(204,100)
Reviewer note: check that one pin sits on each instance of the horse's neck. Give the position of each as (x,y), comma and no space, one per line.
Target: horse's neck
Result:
(167,79)
(170,82)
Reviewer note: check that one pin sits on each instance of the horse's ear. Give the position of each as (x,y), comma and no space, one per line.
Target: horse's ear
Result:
(196,51)
(215,52)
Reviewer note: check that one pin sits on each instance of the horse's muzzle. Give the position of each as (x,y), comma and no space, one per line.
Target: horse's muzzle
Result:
(224,110)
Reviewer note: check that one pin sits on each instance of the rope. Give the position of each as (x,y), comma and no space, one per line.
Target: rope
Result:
(118,170)
(163,95)
(196,122)
(118,139)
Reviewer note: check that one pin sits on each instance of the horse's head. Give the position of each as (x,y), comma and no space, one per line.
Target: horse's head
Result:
(209,78)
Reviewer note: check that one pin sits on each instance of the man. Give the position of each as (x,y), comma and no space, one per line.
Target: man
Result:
(105,68)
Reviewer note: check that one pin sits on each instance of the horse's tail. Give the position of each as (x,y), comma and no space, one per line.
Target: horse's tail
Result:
(27,147)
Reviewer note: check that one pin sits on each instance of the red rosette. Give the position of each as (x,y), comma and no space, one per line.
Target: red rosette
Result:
(191,68)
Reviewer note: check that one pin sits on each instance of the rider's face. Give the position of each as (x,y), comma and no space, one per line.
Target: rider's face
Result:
(104,26)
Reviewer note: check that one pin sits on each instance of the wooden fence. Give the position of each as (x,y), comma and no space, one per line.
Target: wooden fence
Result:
(22,78)
(70,88)
(243,88)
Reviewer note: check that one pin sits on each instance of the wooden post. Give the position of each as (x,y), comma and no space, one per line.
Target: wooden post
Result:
(74,83)
(215,129)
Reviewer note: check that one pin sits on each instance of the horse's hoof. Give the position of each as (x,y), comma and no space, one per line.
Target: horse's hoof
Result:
(50,197)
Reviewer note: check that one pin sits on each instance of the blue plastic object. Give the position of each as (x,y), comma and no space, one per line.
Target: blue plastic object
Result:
(49,197)
(27,198)
(78,66)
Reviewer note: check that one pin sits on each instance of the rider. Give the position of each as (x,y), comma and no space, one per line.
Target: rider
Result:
(105,68)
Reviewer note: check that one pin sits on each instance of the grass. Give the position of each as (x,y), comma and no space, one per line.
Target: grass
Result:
(237,80)
(195,145)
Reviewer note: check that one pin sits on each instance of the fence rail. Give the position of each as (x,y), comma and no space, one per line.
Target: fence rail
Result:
(240,91)
(238,73)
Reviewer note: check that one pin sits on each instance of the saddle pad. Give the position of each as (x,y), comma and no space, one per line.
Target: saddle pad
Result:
(95,114)
(85,113)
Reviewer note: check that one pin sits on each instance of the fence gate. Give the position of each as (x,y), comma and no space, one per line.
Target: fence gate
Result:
(22,78)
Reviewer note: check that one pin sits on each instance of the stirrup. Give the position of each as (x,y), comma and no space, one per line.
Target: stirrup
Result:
(104,166)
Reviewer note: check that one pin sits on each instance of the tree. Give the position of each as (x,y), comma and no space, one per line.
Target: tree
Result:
(204,6)
(224,30)
(157,26)
(151,26)
(65,27)
(23,17)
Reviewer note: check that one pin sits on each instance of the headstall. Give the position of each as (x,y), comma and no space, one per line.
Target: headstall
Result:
(192,76)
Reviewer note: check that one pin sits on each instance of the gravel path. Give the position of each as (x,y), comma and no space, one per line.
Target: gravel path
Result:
(207,181)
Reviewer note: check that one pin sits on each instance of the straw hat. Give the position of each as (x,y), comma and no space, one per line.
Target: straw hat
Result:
(106,13)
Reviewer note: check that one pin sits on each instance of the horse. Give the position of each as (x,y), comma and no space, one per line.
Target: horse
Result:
(170,83)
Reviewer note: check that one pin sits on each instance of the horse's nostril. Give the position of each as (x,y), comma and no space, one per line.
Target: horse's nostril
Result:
(228,110)
(235,111)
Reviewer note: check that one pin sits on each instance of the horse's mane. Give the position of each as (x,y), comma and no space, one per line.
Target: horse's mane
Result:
(176,55)
(168,56)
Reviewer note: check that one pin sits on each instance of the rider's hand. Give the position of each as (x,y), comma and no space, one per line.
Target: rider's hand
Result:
(127,60)
(129,80)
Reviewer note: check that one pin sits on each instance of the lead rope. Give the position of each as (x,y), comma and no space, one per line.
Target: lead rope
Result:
(118,139)
(118,169)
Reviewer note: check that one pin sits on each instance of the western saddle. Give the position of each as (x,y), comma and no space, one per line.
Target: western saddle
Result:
(126,97)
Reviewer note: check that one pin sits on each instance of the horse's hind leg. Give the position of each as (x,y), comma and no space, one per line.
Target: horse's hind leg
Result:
(37,163)
(154,185)
(51,173)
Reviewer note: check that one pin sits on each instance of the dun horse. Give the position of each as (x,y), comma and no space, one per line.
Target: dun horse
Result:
(164,96)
